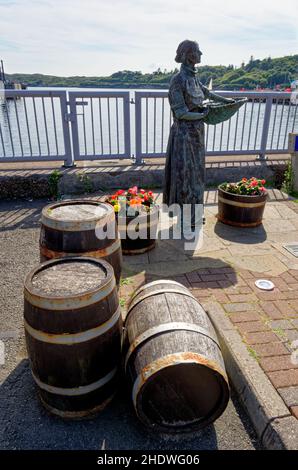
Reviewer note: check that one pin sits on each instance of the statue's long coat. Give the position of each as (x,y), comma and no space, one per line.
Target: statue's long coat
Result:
(185,162)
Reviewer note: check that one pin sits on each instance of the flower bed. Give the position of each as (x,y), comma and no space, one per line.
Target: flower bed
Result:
(246,187)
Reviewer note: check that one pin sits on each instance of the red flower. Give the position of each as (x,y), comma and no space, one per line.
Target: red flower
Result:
(142,191)
(263,182)
(244,180)
(114,196)
(262,189)
(254,183)
(120,191)
(150,193)
(133,190)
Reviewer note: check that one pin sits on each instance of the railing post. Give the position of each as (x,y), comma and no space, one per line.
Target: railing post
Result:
(126,118)
(74,125)
(138,128)
(69,160)
(262,154)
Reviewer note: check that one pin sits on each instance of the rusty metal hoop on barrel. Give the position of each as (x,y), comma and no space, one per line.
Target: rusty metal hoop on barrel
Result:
(173,360)
(73,330)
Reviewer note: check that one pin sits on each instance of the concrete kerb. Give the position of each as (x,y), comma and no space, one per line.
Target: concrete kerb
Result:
(275,426)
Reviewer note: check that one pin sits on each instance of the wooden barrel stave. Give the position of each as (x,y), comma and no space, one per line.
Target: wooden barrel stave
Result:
(75,407)
(179,357)
(73,349)
(73,241)
(61,238)
(86,362)
(90,316)
(149,225)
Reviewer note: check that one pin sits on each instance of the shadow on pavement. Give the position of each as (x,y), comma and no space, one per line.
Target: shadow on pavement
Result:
(25,425)
(249,236)
(20,214)
(177,268)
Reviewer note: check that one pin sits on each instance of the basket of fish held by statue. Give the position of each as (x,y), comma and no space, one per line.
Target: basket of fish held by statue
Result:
(219,112)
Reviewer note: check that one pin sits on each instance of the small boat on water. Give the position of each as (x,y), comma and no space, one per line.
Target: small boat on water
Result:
(6,84)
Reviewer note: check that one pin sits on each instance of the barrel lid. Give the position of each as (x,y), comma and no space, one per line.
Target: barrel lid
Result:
(69,283)
(76,215)
(195,392)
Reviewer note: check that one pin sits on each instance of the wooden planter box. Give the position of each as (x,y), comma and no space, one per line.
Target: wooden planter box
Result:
(239,210)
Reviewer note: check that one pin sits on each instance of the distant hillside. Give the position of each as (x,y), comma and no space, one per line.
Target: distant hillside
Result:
(266,73)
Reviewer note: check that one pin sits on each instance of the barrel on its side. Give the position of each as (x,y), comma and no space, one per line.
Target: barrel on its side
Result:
(139,233)
(73,329)
(79,228)
(240,210)
(173,361)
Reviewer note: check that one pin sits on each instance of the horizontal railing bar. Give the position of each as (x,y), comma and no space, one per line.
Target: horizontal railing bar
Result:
(106,156)
(238,94)
(222,152)
(146,94)
(103,94)
(38,93)
(44,158)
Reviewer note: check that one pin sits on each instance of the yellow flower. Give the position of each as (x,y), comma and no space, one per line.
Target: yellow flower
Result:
(117,207)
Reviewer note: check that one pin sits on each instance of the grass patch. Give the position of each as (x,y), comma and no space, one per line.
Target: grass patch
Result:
(279,332)
(125,281)
(53,180)
(253,353)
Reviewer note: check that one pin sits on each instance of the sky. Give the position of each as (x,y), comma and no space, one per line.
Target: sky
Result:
(100,37)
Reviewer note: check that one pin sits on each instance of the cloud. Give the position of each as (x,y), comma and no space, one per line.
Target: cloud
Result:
(96,37)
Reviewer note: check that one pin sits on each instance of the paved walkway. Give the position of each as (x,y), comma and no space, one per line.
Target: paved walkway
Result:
(24,424)
(224,270)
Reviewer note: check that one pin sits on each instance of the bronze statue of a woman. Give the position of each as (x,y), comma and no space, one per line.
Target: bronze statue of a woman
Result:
(185,163)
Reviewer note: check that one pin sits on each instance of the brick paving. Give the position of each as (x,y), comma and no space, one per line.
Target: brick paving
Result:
(266,321)
(268,327)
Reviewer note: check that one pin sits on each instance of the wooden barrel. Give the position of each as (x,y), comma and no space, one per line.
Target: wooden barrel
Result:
(138,233)
(173,361)
(240,211)
(73,329)
(77,228)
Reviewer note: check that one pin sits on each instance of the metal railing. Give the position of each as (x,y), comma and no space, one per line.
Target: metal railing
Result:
(261,126)
(61,125)
(33,126)
(98,125)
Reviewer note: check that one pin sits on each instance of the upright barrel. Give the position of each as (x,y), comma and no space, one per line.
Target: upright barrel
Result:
(173,361)
(80,228)
(240,210)
(73,329)
(144,225)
